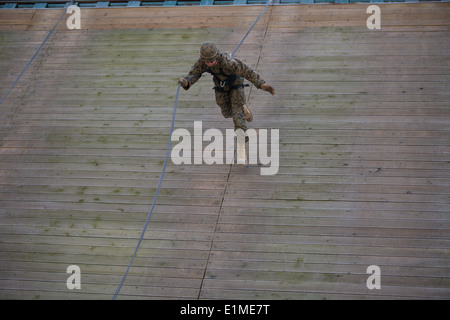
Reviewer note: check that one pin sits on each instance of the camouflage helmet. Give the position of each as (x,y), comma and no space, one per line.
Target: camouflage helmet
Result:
(209,51)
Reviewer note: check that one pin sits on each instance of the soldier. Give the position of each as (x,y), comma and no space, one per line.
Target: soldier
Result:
(229,75)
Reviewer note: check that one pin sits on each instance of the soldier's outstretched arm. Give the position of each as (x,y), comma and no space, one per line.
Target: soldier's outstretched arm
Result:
(241,69)
(193,75)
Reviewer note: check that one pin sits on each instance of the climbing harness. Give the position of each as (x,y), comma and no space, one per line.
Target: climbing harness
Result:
(222,88)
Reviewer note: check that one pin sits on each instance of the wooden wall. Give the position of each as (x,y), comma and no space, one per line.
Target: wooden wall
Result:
(364,155)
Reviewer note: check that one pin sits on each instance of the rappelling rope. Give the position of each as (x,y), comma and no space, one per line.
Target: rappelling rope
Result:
(254,23)
(169,144)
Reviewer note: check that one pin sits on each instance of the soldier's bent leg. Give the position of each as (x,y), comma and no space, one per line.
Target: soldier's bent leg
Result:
(237,107)
(224,102)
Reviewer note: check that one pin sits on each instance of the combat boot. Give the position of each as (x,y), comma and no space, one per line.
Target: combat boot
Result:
(248,113)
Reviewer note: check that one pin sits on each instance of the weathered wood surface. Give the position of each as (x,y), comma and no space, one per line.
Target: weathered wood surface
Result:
(364,155)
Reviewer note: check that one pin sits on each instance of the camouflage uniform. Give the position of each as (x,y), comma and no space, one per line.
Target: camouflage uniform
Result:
(229,75)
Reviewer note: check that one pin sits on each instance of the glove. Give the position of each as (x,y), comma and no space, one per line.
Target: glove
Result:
(268,88)
(184,83)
